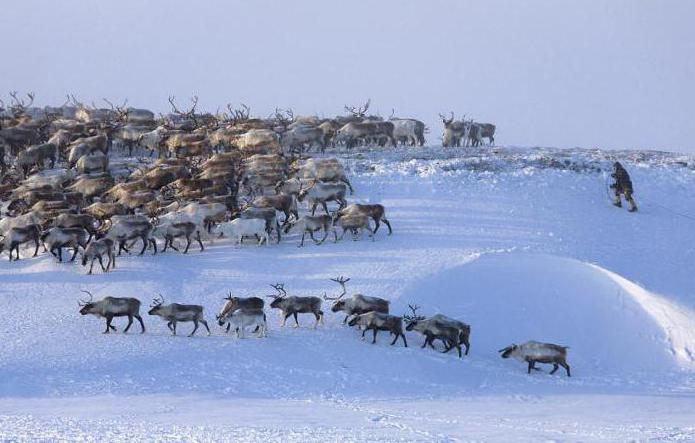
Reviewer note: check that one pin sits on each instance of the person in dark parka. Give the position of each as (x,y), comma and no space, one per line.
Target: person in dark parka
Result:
(622,186)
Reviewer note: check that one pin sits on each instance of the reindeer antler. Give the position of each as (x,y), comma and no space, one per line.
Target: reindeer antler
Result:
(85,302)
(445,120)
(341,281)
(358,111)
(157,301)
(280,287)
(414,317)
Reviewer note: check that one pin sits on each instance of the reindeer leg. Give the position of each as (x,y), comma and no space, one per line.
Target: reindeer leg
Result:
(36,251)
(285,319)
(376,224)
(108,325)
(197,237)
(144,245)
(467,344)
(313,207)
(74,254)
(60,254)
(195,328)
(388,225)
(302,242)
(142,325)
(91,266)
(325,207)
(395,337)
(188,244)
(296,321)
(325,235)
(567,368)
(154,246)
(205,323)
(374,338)
(130,322)
(555,367)
(405,343)
(101,263)
(169,326)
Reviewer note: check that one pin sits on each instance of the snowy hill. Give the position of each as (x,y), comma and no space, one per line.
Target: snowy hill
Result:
(520,243)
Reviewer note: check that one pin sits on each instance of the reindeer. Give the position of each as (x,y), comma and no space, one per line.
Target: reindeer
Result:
(84,221)
(268,215)
(325,170)
(240,228)
(121,230)
(311,224)
(357,304)
(454,131)
(323,193)
(110,307)
(293,305)
(95,250)
(94,162)
(376,212)
(170,231)
(354,222)
(19,235)
(175,312)
(378,321)
(408,130)
(367,131)
(235,303)
(451,332)
(534,352)
(283,202)
(59,238)
(240,319)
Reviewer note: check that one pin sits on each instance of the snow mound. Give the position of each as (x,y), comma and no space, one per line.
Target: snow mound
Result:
(611,325)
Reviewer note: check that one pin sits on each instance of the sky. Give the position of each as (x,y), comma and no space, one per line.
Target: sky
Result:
(594,73)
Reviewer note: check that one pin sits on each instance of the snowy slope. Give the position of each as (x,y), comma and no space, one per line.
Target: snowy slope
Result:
(518,243)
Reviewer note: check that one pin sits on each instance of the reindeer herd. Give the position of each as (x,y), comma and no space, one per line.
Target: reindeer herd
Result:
(222,175)
(242,314)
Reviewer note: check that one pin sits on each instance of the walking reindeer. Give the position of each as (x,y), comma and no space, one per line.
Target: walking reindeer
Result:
(291,305)
(357,304)
(110,307)
(175,312)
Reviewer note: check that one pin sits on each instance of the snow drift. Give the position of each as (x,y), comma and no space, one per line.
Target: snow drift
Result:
(611,325)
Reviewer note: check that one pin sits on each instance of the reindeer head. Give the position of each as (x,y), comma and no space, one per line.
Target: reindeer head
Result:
(301,194)
(86,306)
(229,307)
(412,320)
(19,107)
(156,305)
(447,121)
(277,298)
(507,352)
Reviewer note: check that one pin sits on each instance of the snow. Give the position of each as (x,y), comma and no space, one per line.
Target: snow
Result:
(517,242)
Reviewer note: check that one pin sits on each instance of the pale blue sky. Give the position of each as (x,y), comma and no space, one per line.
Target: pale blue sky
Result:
(612,74)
